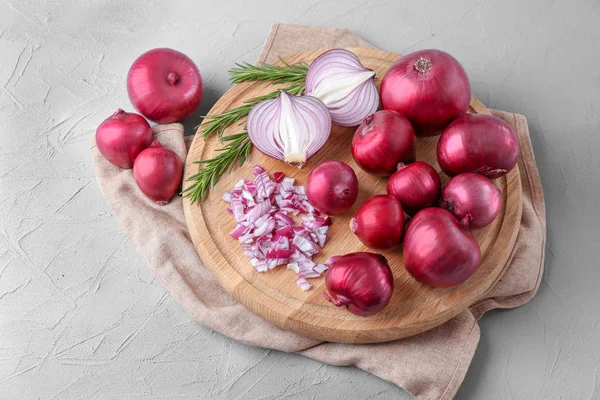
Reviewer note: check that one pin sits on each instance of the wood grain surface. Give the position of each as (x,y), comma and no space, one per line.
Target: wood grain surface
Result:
(273,295)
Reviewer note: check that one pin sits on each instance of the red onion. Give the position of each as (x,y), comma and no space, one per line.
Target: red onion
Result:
(361,282)
(332,187)
(122,136)
(382,141)
(268,235)
(438,250)
(289,128)
(158,172)
(347,88)
(472,198)
(416,186)
(379,223)
(429,87)
(164,85)
(478,143)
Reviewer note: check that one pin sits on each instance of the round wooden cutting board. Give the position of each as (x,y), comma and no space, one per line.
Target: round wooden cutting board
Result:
(273,295)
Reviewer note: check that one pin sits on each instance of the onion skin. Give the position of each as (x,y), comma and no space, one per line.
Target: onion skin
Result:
(383,140)
(122,136)
(158,172)
(483,144)
(361,282)
(429,87)
(164,85)
(438,250)
(332,187)
(379,223)
(472,198)
(416,186)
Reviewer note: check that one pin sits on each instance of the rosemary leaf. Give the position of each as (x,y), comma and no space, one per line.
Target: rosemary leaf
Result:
(266,72)
(237,150)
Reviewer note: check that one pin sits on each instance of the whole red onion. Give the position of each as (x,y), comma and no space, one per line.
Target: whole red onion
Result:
(478,143)
(429,87)
(472,198)
(122,136)
(382,141)
(438,250)
(332,187)
(158,172)
(164,85)
(379,223)
(416,185)
(361,282)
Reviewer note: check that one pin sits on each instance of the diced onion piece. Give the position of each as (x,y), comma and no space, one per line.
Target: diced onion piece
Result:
(268,234)
(303,284)
(320,268)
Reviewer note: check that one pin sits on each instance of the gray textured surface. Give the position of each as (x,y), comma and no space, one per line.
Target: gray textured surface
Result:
(80,315)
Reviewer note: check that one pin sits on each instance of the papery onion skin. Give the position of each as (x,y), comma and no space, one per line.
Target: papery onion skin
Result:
(429,87)
(164,85)
(379,222)
(347,88)
(472,198)
(122,136)
(361,282)
(383,140)
(438,250)
(274,125)
(332,187)
(478,143)
(158,172)
(416,186)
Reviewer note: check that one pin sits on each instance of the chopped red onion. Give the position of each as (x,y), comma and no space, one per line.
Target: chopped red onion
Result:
(248,238)
(267,233)
(320,268)
(238,231)
(288,184)
(303,284)
(226,197)
(293,266)
(284,218)
(307,274)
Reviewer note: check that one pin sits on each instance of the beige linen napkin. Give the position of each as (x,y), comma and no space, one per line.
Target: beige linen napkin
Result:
(431,365)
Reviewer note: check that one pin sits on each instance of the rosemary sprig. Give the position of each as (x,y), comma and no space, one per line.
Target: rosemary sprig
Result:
(237,146)
(219,122)
(237,150)
(269,73)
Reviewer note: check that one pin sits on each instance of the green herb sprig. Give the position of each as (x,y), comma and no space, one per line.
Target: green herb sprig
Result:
(237,146)
(287,73)
(237,150)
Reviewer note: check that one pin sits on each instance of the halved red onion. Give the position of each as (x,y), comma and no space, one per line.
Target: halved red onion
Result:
(289,128)
(347,88)
(268,236)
